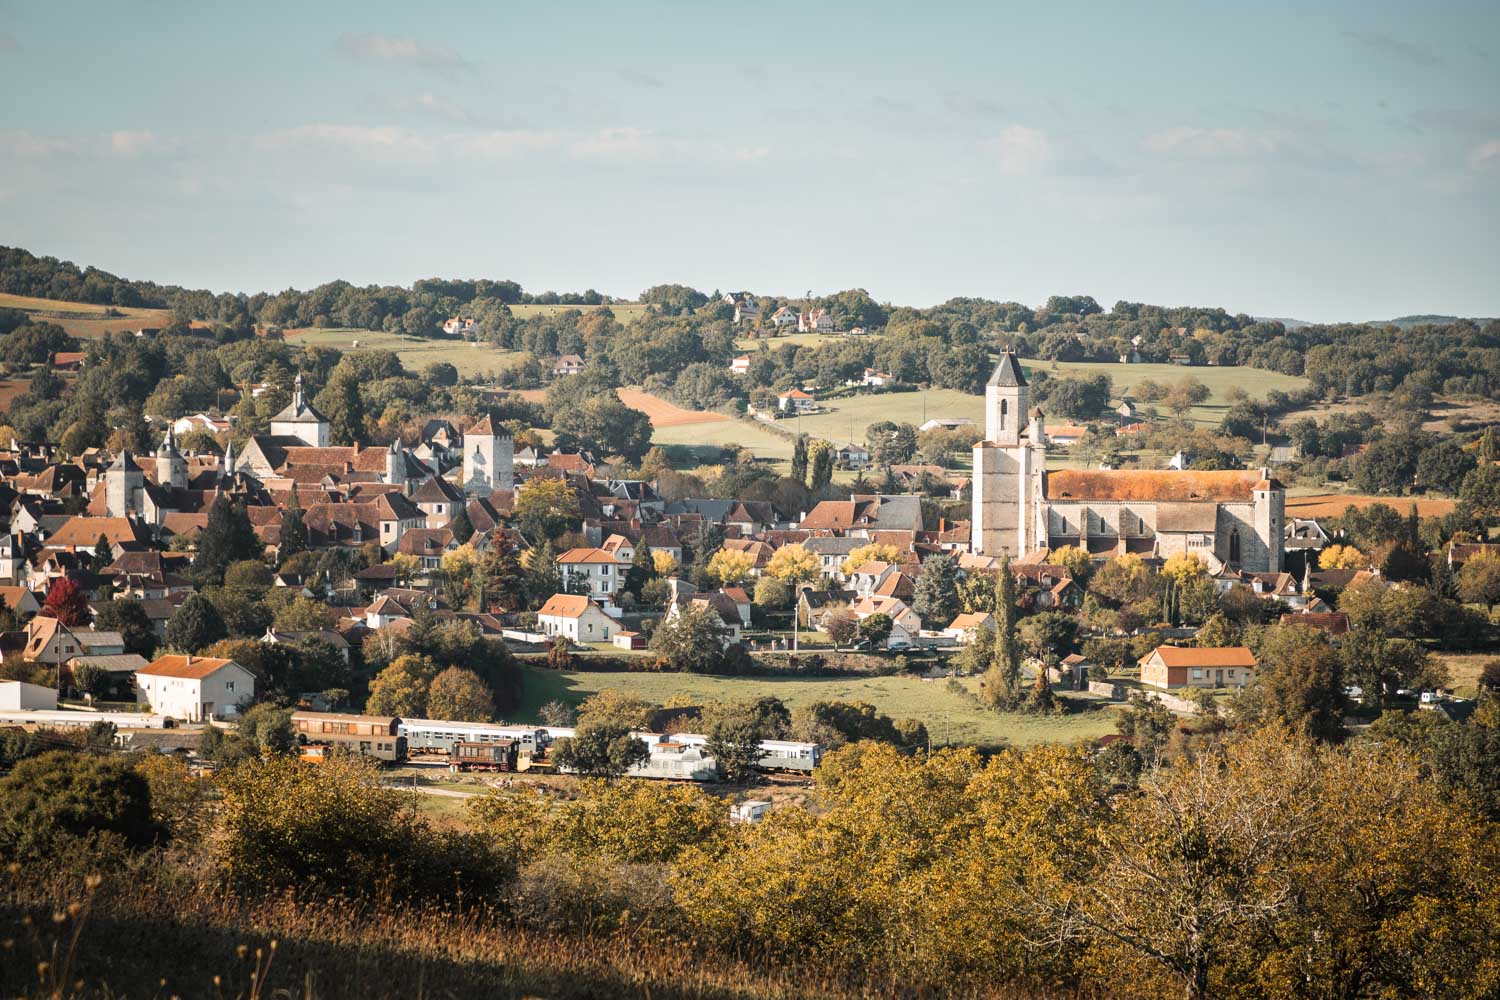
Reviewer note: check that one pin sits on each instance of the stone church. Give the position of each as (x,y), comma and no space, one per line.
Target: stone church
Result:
(1231,518)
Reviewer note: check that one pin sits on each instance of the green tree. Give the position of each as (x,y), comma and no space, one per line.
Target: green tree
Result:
(1443,465)
(267,729)
(642,569)
(57,803)
(601,751)
(461,526)
(735,732)
(936,594)
(341,403)
(401,689)
(228,537)
(691,639)
(822,467)
(799,459)
(875,629)
(127,616)
(293,537)
(1002,685)
(1298,682)
(195,624)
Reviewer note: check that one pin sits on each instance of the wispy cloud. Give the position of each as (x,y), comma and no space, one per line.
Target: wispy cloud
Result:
(641,78)
(1486,156)
(120,143)
(428,105)
(1019,150)
(1211,143)
(1411,52)
(394,143)
(405,51)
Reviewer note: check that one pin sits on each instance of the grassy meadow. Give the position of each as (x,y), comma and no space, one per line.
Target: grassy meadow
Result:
(415,352)
(948,717)
(843,419)
(625,312)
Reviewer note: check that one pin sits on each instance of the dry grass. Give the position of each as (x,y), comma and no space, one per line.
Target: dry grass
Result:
(1464,669)
(85,319)
(146,939)
(10,388)
(663,413)
(1333,504)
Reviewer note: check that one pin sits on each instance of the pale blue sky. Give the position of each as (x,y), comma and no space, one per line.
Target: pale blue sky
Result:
(1341,162)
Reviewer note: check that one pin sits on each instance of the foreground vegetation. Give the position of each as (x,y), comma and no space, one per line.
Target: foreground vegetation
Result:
(1259,865)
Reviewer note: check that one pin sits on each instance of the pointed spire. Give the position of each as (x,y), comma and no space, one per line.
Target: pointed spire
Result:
(228,464)
(297,393)
(1008,372)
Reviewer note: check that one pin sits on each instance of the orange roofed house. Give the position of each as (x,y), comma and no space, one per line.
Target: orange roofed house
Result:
(1189,666)
(195,688)
(575,617)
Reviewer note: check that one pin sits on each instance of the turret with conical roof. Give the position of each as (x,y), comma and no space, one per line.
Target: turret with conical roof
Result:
(171,467)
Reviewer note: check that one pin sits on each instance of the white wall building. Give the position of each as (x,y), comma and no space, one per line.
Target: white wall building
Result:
(195,688)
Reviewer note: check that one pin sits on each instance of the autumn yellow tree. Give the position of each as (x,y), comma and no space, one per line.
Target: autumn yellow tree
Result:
(1343,557)
(1075,560)
(664,562)
(1183,568)
(730,566)
(874,552)
(793,564)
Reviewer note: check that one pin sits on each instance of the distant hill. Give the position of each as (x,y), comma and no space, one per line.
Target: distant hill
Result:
(1426,319)
(1401,321)
(1290,324)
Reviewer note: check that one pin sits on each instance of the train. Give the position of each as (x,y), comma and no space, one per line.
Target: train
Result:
(68,719)
(673,757)
(376,736)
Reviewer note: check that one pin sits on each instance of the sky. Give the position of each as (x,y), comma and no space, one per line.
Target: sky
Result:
(1332,161)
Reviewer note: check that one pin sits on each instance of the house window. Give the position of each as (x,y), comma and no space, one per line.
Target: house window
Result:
(1231,673)
(1234,546)
(1003,410)
(1197,674)
(229,685)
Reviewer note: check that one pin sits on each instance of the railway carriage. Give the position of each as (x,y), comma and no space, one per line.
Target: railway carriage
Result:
(374,736)
(442,735)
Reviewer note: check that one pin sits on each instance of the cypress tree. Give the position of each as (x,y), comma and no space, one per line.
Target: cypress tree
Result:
(461,526)
(799,459)
(227,538)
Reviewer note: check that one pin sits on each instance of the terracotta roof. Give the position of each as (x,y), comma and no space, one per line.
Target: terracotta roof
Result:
(1332,622)
(587,555)
(191,667)
(565,606)
(1195,656)
(1131,484)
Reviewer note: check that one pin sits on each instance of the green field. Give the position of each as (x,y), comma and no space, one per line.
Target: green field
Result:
(800,339)
(844,419)
(947,716)
(415,353)
(690,445)
(625,312)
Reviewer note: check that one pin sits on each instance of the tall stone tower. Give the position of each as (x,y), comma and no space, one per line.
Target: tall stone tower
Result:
(1008,467)
(1268,507)
(171,467)
(124,487)
(301,420)
(489,459)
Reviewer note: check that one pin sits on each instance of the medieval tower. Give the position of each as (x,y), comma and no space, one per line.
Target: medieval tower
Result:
(1008,466)
(488,459)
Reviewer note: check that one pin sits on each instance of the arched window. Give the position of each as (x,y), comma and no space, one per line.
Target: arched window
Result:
(1003,408)
(1234,545)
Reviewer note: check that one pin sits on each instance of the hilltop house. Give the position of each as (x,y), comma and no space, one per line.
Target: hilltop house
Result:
(796,401)
(574,617)
(1182,666)
(195,688)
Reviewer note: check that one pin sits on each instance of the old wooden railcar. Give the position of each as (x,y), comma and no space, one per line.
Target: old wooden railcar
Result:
(501,755)
(374,736)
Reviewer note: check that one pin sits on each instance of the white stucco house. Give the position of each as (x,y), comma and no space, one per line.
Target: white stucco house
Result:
(575,617)
(195,688)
